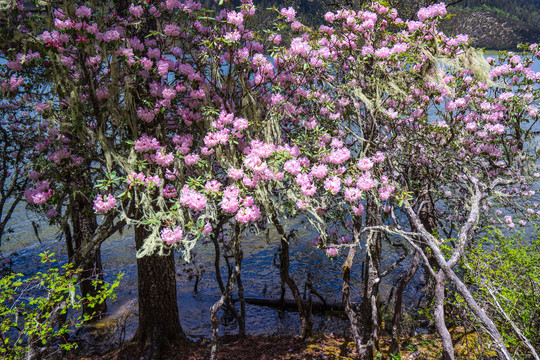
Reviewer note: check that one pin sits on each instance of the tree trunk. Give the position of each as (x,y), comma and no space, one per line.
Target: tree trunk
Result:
(305,314)
(346,297)
(438,313)
(226,296)
(368,309)
(84,227)
(427,217)
(446,267)
(399,302)
(159,324)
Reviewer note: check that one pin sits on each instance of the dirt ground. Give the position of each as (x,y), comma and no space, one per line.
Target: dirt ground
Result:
(320,347)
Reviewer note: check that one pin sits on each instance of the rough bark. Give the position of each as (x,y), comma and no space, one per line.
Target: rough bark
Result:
(159,325)
(242,320)
(462,289)
(427,216)
(69,240)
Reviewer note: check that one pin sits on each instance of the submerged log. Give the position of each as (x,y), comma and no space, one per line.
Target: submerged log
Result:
(290,304)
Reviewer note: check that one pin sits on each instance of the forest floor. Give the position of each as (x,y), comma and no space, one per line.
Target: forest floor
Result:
(320,347)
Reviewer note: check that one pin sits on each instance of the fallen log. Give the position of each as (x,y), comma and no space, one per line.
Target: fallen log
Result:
(290,304)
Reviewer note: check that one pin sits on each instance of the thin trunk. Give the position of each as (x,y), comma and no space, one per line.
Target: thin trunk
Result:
(159,325)
(396,320)
(217,264)
(346,297)
(217,267)
(427,217)
(447,265)
(477,310)
(438,313)
(305,315)
(242,320)
(225,296)
(69,241)
(84,227)
(371,280)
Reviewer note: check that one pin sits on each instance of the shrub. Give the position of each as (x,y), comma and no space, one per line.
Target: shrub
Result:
(34,310)
(506,271)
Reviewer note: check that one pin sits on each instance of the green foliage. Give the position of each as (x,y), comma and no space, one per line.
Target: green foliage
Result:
(506,271)
(34,310)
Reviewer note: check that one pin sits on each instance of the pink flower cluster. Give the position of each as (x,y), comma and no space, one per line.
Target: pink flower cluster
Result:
(235,18)
(230,203)
(292,166)
(40,194)
(169,191)
(509,221)
(431,11)
(364,164)
(163,158)
(13,84)
(136,11)
(366,182)
(332,185)
(192,159)
(192,199)
(212,186)
(236,174)
(358,210)
(332,252)
(65,154)
(289,14)
(249,211)
(171,237)
(103,204)
(146,143)
(207,229)
(319,171)
(183,143)
(83,11)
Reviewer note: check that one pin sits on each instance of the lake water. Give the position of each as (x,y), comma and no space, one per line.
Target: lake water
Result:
(259,276)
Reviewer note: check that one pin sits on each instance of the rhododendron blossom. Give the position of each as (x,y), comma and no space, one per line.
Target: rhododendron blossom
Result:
(354,128)
(364,164)
(332,252)
(171,237)
(289,13)
(192,199)
(104,203)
